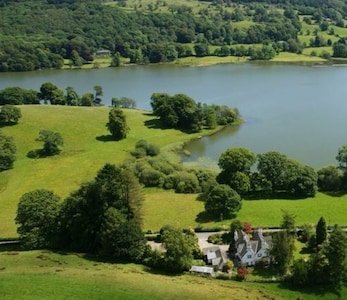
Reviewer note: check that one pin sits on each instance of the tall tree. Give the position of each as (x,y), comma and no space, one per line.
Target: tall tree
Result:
(336,253)
(342,158)
(72,97)
(7,152)
(321,231)
(117,124)
(288,221)
(282,250)
(179,249)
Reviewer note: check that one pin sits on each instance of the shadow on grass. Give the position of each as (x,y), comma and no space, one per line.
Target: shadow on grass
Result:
(105,138)
(40,153)
(271,196)
(205,217)
(154,124)
(318,291)
(7,124)
(336,194)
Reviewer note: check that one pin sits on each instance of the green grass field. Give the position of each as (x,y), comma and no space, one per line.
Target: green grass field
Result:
(45,275)
(87,148)
(165,207)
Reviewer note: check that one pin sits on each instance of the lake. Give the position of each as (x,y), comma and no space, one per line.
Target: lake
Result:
(300,111)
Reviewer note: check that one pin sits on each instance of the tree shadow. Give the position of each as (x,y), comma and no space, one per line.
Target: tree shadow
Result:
(317,290)
(336,194)
(205,217)
(7,124)
(105,138)
(154,124)
(39,153)
(274,195)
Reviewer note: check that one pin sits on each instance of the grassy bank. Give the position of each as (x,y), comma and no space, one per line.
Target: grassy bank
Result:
(52,276)
(87,147)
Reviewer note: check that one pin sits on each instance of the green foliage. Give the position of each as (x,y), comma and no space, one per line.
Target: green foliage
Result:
(7,152)
(288,222)
(321,231)
(123,102)
(50,92)
(87,99)
(99,215)
(179,249)
(336,254)
(16,95)
(282,250)
(9,114)
(51,142)
(286,175)
(117,124)
(342,158)
(222,201)
(178,111)
(143,148)
(72,97)
(236,159)
(329,178)
(37,218)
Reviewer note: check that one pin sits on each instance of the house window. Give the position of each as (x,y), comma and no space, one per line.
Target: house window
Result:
(249,256)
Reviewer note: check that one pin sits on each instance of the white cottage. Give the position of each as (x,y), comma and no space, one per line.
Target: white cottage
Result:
(249,251)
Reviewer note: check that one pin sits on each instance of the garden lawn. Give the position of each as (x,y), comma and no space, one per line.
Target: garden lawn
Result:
(87,147)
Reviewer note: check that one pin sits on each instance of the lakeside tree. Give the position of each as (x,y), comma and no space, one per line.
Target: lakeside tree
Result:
(222,201)
(330,178)
(9,114)
(98,95)
(51,142)
(72,97)
(117,124)
(50,92)
(7,152)
(87,99)
(342,158)
(37,218)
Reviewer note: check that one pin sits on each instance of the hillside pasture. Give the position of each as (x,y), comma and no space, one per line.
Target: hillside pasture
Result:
(87,147)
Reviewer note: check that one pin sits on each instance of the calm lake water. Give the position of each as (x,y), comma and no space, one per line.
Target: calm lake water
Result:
(300,111)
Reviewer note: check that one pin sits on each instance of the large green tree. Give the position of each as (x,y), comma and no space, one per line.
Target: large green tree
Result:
(51,141)
(7,152)
(179,249)
(10,114)
(321,231)
(223,201)
(37,218)
(117,124)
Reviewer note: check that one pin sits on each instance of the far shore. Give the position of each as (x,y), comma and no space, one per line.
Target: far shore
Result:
(193,61)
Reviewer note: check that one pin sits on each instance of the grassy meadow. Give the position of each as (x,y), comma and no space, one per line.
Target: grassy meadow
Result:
(87,147)
(33,275)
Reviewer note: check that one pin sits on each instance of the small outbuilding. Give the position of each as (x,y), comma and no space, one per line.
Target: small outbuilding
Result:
(202,270)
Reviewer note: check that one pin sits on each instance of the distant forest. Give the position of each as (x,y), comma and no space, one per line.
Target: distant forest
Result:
(37,34)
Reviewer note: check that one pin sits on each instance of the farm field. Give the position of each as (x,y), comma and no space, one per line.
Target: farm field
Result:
(52,276)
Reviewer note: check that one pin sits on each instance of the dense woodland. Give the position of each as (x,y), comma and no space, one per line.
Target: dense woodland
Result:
(41,34)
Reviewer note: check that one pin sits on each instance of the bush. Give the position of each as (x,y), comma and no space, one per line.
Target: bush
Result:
(151,178)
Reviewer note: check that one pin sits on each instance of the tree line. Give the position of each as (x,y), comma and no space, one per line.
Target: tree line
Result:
(75,30)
